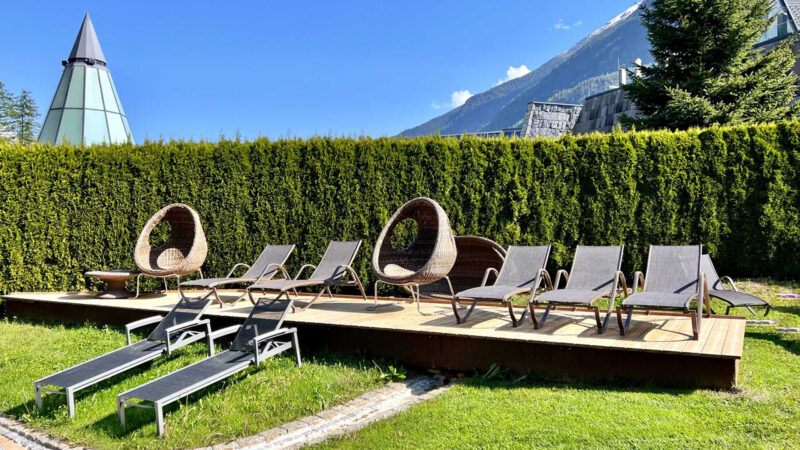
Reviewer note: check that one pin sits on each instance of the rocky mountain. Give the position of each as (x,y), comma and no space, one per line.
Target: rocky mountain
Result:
(583,70)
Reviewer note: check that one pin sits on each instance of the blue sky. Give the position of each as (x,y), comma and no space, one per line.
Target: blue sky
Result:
(199,69)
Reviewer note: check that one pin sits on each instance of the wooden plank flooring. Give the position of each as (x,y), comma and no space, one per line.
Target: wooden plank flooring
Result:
(719,337)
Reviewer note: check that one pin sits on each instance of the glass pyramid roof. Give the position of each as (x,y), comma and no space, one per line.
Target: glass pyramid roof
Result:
(86,109)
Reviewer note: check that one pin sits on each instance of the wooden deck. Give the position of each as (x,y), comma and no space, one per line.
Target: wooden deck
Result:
(657,347)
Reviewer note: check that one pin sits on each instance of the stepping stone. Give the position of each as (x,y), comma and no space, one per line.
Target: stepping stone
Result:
(789,330)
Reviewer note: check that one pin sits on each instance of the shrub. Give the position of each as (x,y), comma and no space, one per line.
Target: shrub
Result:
(735,190)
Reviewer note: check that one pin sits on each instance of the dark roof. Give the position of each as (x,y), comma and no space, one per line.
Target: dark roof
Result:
(794,10)
(86,45)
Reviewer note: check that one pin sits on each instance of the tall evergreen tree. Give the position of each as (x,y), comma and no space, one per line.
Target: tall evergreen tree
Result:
(23,118)
(6,108)
(706,70)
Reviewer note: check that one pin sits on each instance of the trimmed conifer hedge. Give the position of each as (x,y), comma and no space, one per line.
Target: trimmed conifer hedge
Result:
(66,210)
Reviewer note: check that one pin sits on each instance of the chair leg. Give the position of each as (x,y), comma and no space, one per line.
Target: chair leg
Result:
(623,327)
(37,393)
(727,310)
(70,403)
(216,296)
(159,419)
(415,294)
(296,346)
(751,310)
(597,319)
(628,318)
(121,412)
(514,321)
(456,307)
(546,313)
(767,309)
(605,321)
(328,290)
(313,299)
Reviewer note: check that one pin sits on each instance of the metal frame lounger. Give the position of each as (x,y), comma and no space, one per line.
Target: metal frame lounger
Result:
(256,340)
(673,280)
(173,331)
(266,266)
(594,274)
(734,298)
(523,271)
(331,271)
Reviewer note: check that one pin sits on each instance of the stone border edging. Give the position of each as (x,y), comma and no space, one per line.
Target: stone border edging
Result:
(23,436)
(353,415)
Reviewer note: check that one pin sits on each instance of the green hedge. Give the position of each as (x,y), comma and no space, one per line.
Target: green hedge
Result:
(66,210)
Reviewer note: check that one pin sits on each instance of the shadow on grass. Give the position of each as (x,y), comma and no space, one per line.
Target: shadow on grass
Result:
(505,379)
(793,310)
(792,345)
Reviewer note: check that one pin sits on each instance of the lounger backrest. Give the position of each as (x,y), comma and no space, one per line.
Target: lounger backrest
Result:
(338,254)
(674,269)
(712,278)
(272,254)
(522,264)
(187,310)
(595,268)
(266,316)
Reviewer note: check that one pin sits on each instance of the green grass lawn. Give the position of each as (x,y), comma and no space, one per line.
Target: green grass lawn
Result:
(257,399)
(763,412)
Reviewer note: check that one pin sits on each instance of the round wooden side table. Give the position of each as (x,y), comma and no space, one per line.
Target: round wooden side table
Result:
(115,282)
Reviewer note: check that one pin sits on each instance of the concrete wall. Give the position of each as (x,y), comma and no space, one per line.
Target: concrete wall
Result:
(601,112)
(549,119)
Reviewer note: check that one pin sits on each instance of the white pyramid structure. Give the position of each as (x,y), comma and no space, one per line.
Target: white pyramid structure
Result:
(86,109)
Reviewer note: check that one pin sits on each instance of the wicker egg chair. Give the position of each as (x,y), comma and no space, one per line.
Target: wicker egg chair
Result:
(183,253)
(477,264)
(428,259)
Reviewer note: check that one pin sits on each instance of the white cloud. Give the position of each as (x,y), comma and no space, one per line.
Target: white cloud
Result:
(457,99)
(514,72)
(560,25)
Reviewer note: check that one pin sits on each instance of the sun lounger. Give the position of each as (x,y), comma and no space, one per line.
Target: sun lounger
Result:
(257,339)
(734,298)
(331,271)
(523,272)
(268,264)
(673,280)
(595,274)
(177,329)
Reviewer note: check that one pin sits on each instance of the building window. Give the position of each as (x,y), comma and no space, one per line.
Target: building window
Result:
(783,25)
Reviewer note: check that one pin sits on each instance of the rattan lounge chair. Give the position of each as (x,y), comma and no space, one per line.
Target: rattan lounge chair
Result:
(673,280)
(182,254)
(426,260)
(734,298)
(175,330)
(268,264)
(595,274)
(257,339)
(523,272)
(331,271)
